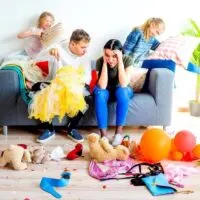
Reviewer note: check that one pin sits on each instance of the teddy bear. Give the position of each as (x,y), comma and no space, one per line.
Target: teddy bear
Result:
(39,154)
(15,155)
(100,149)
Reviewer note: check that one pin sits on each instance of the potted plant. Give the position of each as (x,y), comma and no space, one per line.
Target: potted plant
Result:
(194,30)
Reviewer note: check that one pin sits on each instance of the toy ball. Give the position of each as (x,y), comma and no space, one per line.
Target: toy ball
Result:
(184,141)
(173,147)
(176,155)
(155,145)
(196,151)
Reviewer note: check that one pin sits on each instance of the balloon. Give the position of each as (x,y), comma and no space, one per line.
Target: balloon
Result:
(176,155)
(184,141)
(189,156)
(155,145)
(196,151)
(173,146)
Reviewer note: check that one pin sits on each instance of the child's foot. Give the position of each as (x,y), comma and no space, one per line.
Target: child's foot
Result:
(117,140)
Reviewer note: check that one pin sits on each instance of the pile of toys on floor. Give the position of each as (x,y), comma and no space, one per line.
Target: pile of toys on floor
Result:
(144,163)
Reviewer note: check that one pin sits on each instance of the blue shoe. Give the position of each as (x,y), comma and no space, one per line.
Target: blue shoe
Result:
(75,136)
(46,136)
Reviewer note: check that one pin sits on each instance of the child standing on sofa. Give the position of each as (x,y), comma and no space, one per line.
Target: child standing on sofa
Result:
(114,71)
(34,45)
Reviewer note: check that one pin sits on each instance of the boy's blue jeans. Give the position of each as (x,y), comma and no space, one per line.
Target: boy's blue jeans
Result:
(122,95)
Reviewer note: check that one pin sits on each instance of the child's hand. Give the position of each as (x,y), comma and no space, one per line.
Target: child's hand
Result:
(38,33)
(55,52)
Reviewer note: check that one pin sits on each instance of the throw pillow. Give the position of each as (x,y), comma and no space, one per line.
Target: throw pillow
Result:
(138,78)
(53,34)
(176,48)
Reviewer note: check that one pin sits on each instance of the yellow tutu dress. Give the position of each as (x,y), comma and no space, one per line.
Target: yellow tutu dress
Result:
(64,96)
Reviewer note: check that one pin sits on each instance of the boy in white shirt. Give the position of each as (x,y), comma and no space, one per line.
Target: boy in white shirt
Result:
(72,54)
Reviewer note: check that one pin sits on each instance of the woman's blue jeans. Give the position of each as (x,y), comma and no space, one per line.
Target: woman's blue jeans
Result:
(122,96)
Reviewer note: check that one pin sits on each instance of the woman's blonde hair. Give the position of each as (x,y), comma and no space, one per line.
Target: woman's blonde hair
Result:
(146,26)
(43,15)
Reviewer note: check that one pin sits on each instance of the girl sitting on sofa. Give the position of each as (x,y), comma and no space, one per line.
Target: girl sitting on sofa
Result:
(114,72)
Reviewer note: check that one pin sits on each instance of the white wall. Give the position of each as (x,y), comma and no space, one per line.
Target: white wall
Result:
(102,19)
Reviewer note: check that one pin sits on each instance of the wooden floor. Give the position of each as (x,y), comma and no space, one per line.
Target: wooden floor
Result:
(21,185)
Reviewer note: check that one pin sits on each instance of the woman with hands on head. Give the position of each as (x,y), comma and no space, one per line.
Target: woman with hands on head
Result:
(114,72)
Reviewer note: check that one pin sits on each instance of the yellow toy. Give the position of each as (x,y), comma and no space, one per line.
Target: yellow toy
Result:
(100,149)
(14,155)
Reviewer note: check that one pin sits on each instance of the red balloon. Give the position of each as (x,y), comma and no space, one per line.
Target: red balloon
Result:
(184,141)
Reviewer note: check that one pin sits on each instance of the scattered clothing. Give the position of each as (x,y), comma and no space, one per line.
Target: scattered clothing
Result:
(76,152)
(57,154)
(176,173)
(47,184)
(115,167)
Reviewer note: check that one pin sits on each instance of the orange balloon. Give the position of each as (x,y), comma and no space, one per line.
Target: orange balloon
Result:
(176,155)
(155,145)
(173,146)
(196,151)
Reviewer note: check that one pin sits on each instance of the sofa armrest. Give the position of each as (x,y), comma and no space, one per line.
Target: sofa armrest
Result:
(161,85)
(9,94)
(9,85)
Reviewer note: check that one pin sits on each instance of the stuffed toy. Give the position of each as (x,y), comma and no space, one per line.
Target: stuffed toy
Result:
(14,155)
(39,154)
(100,149)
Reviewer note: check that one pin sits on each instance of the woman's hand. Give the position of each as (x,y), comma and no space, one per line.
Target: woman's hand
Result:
(104,57)
(119,55)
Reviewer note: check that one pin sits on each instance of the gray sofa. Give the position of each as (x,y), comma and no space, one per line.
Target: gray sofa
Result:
(153,108)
